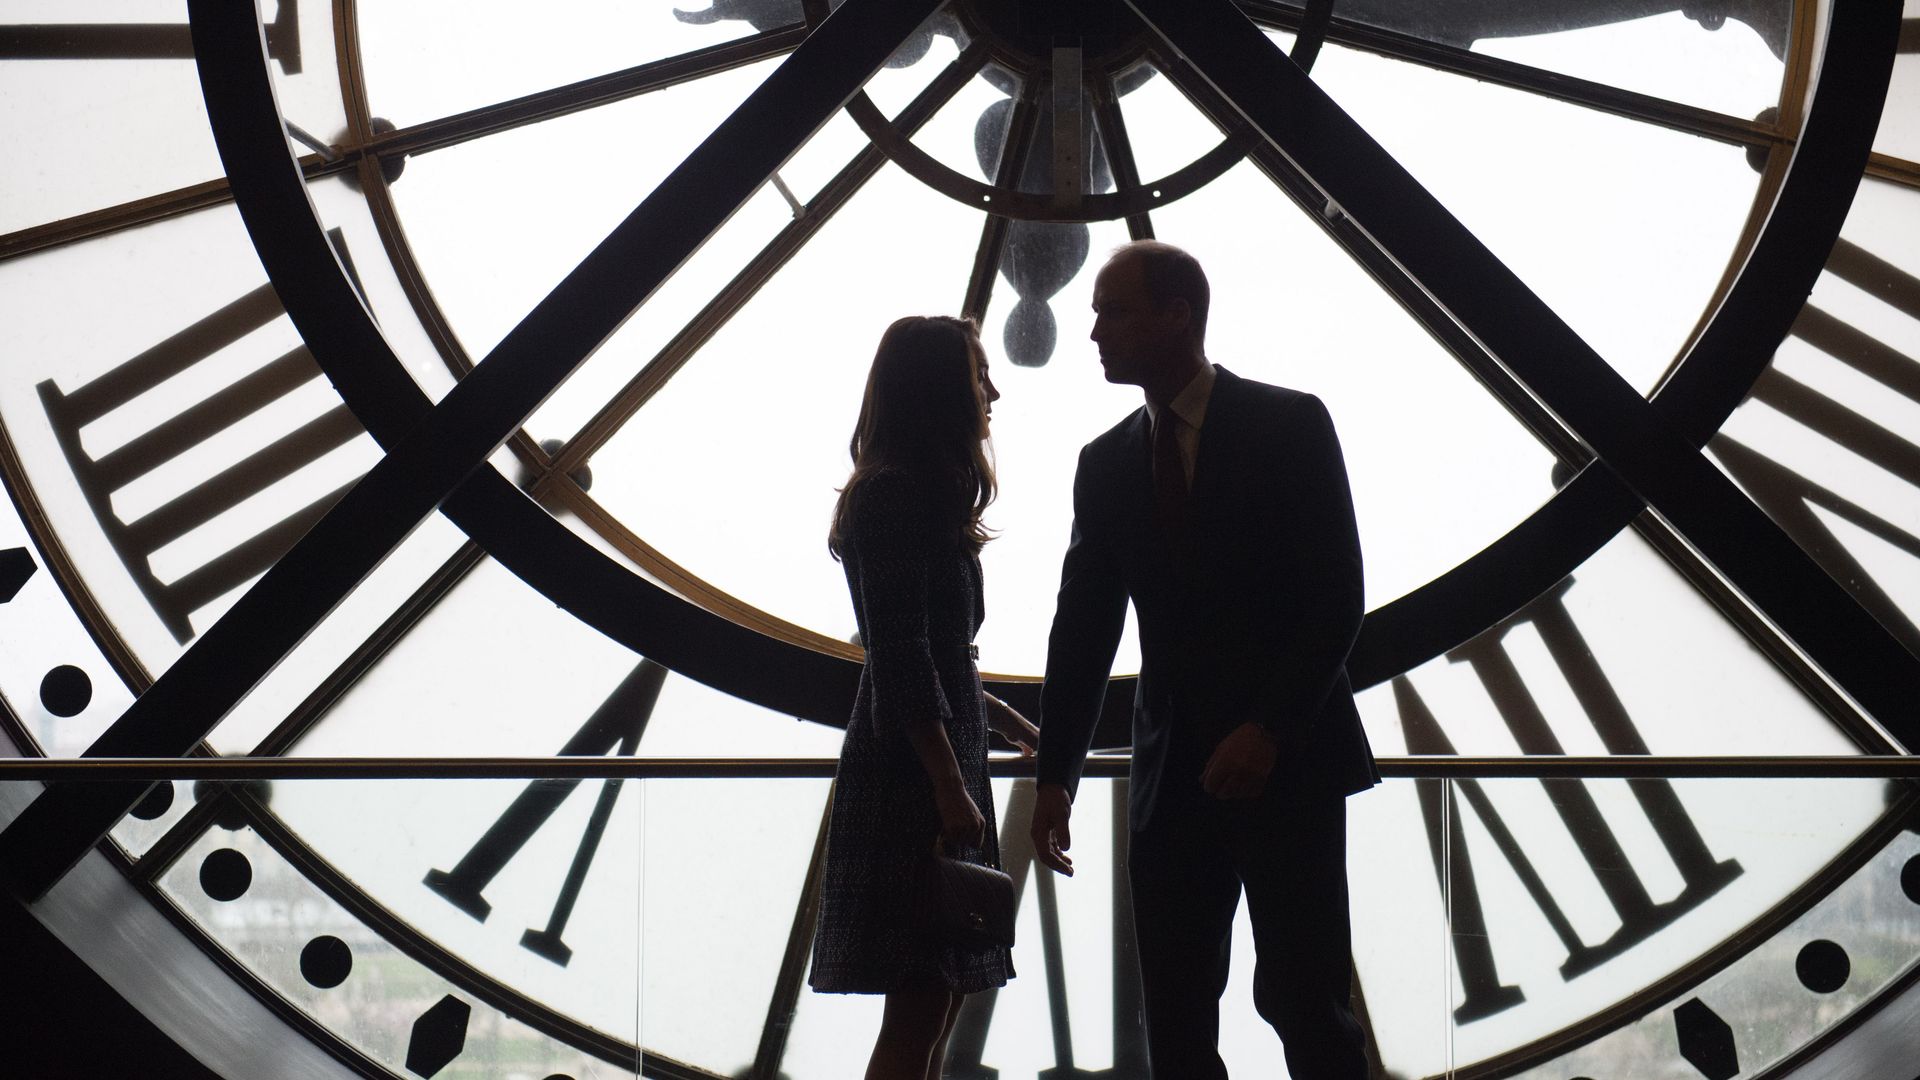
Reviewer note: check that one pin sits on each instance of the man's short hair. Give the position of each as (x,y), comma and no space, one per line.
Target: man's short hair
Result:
(1171,274)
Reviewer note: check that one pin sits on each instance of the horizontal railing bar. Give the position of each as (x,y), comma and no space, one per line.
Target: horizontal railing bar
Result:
(628,768)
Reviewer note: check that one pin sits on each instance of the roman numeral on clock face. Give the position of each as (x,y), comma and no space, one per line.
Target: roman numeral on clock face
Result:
(1803,505)
(615,726)
(1599,848)
(124,390)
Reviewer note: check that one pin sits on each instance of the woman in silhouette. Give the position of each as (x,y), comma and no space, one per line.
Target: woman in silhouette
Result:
(913,767)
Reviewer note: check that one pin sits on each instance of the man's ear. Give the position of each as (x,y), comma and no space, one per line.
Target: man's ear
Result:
(1179,314)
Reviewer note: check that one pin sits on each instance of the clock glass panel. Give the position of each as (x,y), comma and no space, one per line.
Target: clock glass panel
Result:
(1659,209)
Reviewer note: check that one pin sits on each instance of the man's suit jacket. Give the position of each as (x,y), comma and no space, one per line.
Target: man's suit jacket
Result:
(1246,613)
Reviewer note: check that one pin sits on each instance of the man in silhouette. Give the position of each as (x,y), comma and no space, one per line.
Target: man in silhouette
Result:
(1221,510)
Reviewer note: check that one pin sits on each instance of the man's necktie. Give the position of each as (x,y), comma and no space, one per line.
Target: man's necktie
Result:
(1169,471)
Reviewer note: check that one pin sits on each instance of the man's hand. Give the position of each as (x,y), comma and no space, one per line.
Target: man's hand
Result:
(1240,765)
(1051,809)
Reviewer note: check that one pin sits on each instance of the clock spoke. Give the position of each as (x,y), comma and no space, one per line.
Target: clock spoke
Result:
(1112,124)
(490,65)
(1658,70)
(1360,180)
(847,183)
(1021,122)
(542,105)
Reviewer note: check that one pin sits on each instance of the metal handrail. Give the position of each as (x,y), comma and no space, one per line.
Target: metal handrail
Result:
(1445,767)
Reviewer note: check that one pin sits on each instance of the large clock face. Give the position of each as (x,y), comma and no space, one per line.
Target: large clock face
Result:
(428,380)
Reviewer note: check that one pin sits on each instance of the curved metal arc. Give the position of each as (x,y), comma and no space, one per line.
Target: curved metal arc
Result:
(1314,23)
(826,203)
(1027,206)
(1497,581)
(1786,259)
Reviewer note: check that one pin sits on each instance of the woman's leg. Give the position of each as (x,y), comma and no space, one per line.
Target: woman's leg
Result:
(938,1061)
(913,1022)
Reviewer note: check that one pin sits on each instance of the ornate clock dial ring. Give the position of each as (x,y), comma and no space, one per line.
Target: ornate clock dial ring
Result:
(1007,202)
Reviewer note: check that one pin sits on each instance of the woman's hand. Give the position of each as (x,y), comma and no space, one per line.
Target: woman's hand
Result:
(1006,722)
(961,823)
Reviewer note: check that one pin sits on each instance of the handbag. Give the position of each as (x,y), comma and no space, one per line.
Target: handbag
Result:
(965,903)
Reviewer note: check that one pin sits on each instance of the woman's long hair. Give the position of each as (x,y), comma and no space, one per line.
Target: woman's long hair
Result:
(924,414)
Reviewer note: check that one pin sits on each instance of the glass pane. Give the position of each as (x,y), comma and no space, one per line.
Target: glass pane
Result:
(969,134)
(730,469)
(495,224)
(1825,442)
(369,989)
(668,312)
(1623,228)
(1900,119)
(153,817)
(765,220)
(1726,58)
(493,668)
(1513,976)
(1043,311)
(1622,652)
(725,864)
(1856,942)
(428,60)
(916,62)
(56,688)
(1163,127)
(308,92)
(1439,468)
(821,159)
(99,116)
(323,653)
(343,210)
(185,439)
(694,720)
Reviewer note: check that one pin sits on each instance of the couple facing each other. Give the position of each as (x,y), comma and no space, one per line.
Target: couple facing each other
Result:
(1221,511)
